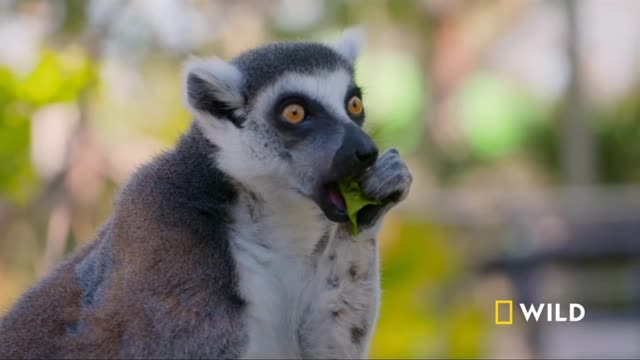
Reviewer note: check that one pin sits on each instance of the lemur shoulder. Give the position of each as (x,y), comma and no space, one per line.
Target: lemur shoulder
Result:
(235,244)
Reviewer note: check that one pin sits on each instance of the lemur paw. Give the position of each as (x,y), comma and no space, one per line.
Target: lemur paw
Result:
(387,181)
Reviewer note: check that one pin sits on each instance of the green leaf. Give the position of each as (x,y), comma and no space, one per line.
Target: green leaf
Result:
(58,77)
(354,200)
(17,178)
(16,175)
(496,116)
(394,99)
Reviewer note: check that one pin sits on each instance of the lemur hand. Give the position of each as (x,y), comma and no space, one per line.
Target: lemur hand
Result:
(388,182)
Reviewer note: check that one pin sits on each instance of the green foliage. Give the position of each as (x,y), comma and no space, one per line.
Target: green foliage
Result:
(354,200)
(618,145)
(616,131)
(75,20)
(496,116)
(16,175)
(394,94)
(420,315)
(497,120)
(57,77)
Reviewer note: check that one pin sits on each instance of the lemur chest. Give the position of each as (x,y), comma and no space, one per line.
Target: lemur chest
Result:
(275,271)
(311,290)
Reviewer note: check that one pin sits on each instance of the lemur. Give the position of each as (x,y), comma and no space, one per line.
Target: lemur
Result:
(236,243)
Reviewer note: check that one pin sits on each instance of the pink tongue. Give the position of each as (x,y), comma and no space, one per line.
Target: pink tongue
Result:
(337,200)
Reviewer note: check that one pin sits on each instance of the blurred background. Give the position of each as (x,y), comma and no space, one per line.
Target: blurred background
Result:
(520,121)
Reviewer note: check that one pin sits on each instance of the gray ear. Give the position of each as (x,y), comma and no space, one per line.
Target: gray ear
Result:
(214,86)
(351,43)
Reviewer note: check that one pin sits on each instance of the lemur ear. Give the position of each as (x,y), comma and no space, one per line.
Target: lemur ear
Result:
(351,43)
(213,86)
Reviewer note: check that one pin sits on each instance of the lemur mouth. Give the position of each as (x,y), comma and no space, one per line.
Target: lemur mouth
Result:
(336,198)
(332,203)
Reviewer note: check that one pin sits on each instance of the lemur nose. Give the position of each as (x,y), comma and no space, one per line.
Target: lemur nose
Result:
(367,155)
(356,153)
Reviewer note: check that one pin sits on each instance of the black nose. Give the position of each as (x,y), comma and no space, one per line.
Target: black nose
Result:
(367,154)
(357,153)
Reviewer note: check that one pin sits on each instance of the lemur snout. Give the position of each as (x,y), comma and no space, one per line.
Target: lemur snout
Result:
(355,155)
(367,155)
(357,152)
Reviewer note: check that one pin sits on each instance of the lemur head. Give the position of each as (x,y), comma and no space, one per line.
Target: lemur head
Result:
(288,114)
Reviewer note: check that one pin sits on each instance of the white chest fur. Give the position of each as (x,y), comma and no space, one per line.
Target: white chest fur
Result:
(304,300)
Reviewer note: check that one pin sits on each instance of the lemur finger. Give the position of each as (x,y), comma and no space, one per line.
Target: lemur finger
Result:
(388,180)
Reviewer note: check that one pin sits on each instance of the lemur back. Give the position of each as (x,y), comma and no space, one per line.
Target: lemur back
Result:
(237,243)
(160,268)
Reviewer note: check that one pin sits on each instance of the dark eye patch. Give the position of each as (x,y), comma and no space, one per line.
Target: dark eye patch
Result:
(355,91)
(318,119)
(290,99)
(314,110)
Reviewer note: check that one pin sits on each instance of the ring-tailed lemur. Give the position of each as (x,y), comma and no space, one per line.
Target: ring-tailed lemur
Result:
(236,243)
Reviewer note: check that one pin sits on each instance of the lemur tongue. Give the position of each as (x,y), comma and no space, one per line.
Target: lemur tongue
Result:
(337,200)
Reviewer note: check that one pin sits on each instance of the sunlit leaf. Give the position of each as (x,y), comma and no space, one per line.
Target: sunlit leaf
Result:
(16,174)
(394,96)
(58,77)
(495,115)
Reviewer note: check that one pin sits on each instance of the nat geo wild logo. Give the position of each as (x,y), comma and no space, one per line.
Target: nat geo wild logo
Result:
(552,312)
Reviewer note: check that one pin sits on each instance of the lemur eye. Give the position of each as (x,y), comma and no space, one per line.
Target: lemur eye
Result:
(293,113)
(354,106)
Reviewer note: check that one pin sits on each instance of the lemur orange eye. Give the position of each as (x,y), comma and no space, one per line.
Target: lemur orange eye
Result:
(354,106)
(293,113)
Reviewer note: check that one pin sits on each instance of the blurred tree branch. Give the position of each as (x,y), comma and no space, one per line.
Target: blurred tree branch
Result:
(577,140)
(461,35)
(54,203)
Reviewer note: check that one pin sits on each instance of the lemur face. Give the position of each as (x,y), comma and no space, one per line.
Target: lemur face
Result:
(288,114)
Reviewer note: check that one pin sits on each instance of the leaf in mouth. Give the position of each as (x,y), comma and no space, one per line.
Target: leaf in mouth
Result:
(355,201)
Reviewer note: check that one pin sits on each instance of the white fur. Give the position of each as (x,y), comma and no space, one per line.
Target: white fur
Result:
(290,306)
(351,43)
(238,148)
(225,80)
(270,278)
(286,284)
(328,88)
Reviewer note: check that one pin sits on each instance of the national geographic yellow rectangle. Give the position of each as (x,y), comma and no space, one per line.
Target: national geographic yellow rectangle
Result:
(504,322)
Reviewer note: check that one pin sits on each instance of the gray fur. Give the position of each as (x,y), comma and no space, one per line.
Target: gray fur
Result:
(263,65)
(357,334)
(389,176)
(333,282)
(321,245)
(158,281)
(219,248)
(92,272)
(388,181)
